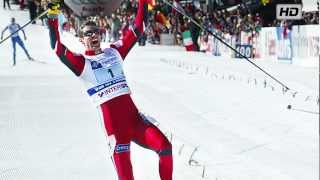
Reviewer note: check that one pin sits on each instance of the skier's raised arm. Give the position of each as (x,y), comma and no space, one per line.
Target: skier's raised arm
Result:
(124,45)
(75,62)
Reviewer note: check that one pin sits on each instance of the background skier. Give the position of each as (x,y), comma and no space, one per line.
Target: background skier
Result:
(15,38)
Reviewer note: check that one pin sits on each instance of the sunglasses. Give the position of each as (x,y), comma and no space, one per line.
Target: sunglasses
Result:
(90,32)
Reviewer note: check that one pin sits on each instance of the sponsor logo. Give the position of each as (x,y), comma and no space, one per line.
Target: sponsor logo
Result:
(108,62)
(289,11)
(112,89)
(93,9)
(80,2)
(98,88)
(122,148)
(95,65)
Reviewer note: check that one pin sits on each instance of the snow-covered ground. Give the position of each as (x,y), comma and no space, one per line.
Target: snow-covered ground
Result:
(226,119)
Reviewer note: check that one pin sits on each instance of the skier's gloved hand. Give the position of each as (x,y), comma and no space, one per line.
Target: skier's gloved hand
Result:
(151,4)
(53,10)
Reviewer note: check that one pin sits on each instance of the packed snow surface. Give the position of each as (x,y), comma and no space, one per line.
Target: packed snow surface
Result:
(226,119)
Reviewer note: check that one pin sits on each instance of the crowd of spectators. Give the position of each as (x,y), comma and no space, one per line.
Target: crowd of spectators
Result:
(164,19)
(35,7)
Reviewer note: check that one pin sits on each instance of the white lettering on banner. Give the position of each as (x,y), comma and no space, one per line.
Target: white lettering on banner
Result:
(268,44)
(256,45)
(216,49)
(99,88)
(314,46)
(301,44)
(284,49)
(112,89)
(225,50)
(306,45)
(245,38)
(272,47)
(245,50)
(241,50)
(210,45)
(92,9)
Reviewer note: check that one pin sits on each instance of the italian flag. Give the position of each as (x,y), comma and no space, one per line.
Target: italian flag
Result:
(187,41)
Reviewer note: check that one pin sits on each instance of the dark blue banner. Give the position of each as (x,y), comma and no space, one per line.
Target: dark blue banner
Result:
(245,50)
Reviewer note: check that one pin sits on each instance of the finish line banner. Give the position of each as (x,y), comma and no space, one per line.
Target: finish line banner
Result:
(84,8)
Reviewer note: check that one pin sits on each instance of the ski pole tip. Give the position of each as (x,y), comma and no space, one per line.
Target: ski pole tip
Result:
(289,106)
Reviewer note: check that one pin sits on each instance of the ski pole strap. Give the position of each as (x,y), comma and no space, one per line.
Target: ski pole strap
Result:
(42,14)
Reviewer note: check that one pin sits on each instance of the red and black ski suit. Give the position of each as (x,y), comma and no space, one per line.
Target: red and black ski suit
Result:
(122,120)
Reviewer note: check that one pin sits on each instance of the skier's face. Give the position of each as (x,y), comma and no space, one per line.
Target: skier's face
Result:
(91,38)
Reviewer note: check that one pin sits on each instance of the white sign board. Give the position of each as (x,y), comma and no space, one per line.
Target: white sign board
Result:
(85,8)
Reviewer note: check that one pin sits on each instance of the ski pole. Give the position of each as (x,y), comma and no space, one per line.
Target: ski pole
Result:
(301,110)
(223,42)
(40,15)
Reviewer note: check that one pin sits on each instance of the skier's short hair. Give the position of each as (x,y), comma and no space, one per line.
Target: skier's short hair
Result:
(87,23)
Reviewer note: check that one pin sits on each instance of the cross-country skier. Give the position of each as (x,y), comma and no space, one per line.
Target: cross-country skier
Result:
(101,71)
(15,38)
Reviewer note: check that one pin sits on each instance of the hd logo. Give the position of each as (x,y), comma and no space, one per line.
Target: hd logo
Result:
(289,11)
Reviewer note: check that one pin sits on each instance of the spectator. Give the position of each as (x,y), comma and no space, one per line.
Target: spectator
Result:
(22,5)
(164,19)
(195,31)
(32,6)
(42,5)
(8,4)
(102,23)
(115,27)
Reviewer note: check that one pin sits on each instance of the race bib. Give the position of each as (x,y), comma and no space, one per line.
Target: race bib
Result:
(105,72)
(110,78)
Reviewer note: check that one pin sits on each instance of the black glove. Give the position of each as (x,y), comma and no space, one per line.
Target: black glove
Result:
(53,8)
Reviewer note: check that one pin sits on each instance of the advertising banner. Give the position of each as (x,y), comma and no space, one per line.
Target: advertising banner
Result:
(245,50)
(268,39)
(297,44)
(85,8)
(284,43)
(306,44)
(256,46)
(216,47)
